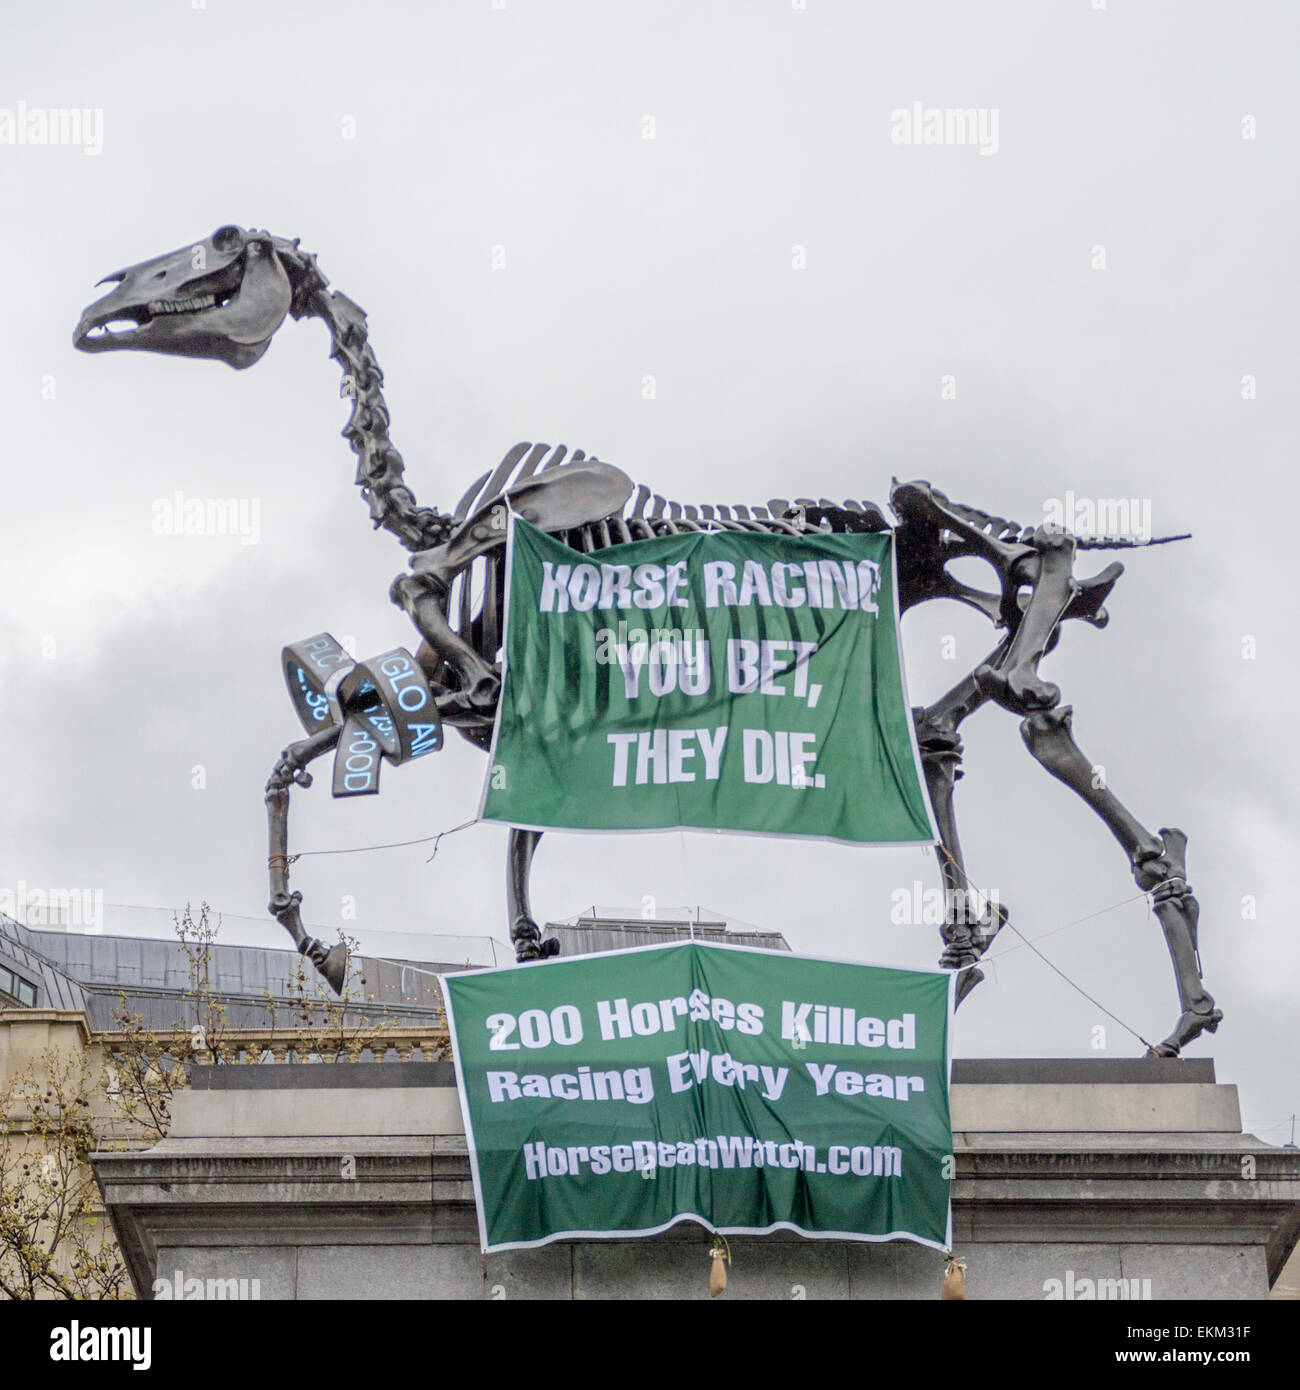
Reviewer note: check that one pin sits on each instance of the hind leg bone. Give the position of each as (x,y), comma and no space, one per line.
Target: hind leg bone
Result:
(965,937)
(1158,862)
(524,932)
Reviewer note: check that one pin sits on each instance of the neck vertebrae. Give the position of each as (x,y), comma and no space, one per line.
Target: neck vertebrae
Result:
(379,465)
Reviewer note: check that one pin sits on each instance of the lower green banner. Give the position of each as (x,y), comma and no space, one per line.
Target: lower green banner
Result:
(749,1091)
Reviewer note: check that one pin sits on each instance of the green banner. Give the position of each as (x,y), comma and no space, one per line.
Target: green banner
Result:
(750,1091)
(725,680)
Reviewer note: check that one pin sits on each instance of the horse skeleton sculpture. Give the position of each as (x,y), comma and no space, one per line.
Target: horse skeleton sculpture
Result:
(225,297)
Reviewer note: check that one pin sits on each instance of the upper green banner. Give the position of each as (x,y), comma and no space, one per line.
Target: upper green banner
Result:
(714,681)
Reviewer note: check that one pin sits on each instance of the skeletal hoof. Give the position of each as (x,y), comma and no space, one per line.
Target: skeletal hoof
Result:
(335,967)
(332,963)
(529,944)
(527,940)
(966,982)
(536,950)
(1189,1027)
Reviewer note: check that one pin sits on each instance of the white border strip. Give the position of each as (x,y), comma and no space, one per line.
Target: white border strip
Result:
(512,518)
(907,702)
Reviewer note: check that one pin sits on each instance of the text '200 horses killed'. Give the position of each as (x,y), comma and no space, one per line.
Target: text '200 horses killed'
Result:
(801,1023)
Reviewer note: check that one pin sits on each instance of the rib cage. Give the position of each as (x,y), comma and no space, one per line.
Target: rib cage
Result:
(477,601)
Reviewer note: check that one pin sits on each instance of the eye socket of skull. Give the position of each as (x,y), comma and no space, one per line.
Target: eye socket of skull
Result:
(226,238)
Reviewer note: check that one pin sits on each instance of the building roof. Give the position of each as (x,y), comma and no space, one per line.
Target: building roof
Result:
(54,988)
(604,929)
(91,972)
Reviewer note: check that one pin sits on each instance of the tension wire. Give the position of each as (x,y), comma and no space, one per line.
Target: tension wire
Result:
(943,849)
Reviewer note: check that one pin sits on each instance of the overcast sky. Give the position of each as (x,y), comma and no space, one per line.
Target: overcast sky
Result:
(798,284)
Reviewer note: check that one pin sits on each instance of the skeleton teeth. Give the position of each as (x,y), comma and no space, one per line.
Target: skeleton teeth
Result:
(182,306)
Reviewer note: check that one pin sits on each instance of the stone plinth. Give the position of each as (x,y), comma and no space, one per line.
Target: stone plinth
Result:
(1073,1179)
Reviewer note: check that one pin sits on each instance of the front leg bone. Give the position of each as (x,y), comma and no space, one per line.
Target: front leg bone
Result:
(290,769)
(425,601)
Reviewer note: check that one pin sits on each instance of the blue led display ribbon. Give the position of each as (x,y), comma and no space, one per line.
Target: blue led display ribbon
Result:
(384,704)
